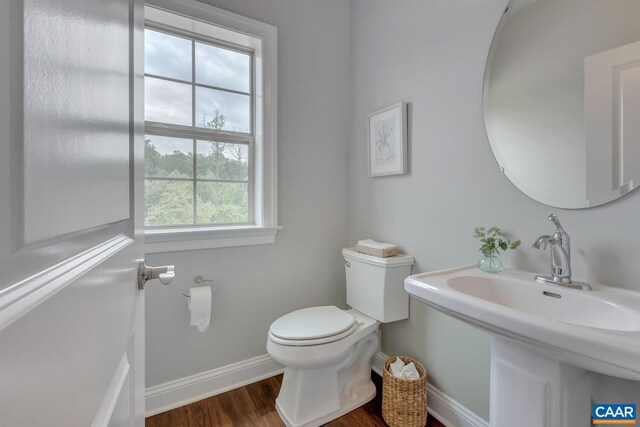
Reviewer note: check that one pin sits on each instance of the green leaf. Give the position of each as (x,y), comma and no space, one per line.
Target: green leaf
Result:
(492,240)
(478,233)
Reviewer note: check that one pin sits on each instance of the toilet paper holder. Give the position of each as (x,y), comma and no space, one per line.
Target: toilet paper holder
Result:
(199,280)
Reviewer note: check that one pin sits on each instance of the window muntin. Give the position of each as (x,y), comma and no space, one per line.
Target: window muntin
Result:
(167,157)
(208,166)
(235,107)
(167,102)
(199,142)
(220,67)
(167,55)
(168,211)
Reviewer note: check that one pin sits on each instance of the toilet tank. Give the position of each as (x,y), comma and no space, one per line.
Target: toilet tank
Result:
(375,286)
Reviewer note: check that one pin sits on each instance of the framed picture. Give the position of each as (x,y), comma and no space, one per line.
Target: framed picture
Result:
(387,145)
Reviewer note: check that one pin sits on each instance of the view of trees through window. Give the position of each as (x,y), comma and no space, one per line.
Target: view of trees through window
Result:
(191,178)
(220,186)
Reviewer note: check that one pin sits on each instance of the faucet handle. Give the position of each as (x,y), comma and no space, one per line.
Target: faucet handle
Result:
(560,234)
(554,219)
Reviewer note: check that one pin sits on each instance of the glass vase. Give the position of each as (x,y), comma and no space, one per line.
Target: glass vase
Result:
(491,263)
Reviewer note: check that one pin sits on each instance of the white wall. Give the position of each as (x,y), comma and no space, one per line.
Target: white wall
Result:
(432,54)
(304,267)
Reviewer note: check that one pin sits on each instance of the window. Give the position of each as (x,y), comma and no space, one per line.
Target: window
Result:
(199,134)
(210,128)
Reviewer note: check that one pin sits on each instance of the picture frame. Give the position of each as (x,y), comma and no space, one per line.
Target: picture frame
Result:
(387,141)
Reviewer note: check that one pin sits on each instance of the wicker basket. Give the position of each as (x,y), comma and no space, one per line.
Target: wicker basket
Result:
(404,401)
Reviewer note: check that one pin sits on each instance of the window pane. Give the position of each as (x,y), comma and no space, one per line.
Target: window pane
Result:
(223,68)
(167,102)
(217,109)
(167,56)
(168,202)
(168,157)
(222,202)
(222,160)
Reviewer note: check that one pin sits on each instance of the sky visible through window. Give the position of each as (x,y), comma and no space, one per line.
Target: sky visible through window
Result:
(169,100)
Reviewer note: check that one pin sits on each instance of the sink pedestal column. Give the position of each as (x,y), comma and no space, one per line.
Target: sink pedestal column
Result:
(531,390)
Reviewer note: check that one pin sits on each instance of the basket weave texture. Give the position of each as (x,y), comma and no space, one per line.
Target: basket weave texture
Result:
(380,253)
(404,401)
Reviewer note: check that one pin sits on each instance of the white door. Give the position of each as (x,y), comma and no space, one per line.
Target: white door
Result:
(71,129)
(612,129)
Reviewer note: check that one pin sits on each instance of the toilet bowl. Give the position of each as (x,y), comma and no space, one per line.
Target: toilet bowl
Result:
(327,352)
(326,380)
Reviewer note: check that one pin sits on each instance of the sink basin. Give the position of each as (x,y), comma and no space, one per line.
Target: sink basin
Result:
(596,330)
(595,310)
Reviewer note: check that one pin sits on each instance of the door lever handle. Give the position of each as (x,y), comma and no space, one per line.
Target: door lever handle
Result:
(165,274)
(166,278)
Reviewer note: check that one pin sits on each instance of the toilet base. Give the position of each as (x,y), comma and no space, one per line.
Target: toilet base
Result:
(312,397)
(362,397)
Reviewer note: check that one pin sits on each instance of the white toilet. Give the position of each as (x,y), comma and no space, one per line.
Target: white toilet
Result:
(327,352)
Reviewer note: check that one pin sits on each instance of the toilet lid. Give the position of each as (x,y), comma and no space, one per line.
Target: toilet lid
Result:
(312,323)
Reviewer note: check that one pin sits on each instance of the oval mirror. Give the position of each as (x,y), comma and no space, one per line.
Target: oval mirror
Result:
(562,99)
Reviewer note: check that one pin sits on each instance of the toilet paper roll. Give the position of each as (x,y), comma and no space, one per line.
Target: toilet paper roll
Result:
(200,307)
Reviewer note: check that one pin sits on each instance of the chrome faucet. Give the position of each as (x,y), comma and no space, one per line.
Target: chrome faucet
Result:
(560,258)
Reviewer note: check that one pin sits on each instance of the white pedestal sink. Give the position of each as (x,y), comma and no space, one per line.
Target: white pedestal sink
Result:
(546,339)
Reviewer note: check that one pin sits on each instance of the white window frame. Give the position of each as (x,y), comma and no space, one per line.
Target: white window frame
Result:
(198,18)
(196,133)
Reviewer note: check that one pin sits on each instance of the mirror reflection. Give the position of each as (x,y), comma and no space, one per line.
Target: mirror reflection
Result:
(562,99)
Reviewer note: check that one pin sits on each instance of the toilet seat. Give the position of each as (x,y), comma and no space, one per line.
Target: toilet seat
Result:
(312,326)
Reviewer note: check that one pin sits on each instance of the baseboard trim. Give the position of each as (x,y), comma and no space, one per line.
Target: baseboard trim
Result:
(447,410)
(180,392)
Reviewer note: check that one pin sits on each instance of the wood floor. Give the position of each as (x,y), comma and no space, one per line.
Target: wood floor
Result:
(254,405)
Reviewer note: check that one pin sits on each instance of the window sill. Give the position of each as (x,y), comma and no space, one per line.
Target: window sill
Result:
(187,239)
